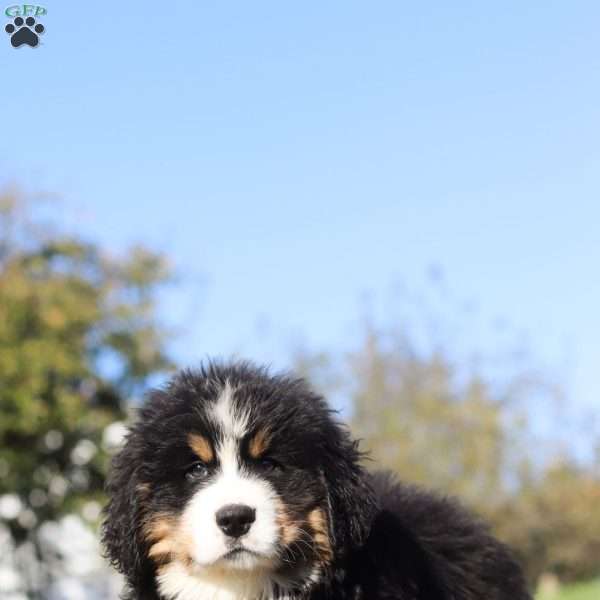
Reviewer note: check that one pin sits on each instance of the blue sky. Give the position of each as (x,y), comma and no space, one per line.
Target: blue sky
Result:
(293,158)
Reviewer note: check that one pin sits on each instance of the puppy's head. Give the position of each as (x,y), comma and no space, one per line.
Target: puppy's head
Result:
(233,478)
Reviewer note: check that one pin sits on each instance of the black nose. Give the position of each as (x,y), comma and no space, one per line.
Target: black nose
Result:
(235,519)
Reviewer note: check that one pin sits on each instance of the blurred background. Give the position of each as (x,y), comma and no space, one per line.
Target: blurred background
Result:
(400,202)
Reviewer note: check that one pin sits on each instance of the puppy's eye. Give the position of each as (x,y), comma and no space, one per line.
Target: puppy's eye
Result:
(269,464)
(197,470)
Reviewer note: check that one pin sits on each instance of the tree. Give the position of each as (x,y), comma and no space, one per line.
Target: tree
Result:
(78,336)
(463,427)
(554,523)
(415,418)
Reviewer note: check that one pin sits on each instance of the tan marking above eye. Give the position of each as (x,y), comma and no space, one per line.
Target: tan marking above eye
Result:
(259,443)
(201,446)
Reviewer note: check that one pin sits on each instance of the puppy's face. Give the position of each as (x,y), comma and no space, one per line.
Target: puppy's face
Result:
(235,489)
(232,486)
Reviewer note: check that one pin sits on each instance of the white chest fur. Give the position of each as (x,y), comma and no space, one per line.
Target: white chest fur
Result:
(175,582)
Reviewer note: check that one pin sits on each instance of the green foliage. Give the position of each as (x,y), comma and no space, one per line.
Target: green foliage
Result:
(78,335)
(555,522)
(581,591)
(435,421)
(417,419)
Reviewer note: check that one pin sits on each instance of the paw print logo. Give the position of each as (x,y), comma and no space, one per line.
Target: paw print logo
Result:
(24,32)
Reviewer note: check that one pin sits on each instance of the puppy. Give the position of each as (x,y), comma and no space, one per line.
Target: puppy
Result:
(235,484)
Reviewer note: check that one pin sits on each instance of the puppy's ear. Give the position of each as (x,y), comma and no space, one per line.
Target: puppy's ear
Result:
(123,515)
(350,495)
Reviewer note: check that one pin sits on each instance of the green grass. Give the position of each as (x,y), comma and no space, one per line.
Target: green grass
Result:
(580,591)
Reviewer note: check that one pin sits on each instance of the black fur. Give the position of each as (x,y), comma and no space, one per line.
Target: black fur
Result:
(388,540)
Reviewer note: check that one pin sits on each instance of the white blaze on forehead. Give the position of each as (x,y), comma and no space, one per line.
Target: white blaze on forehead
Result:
(233,422)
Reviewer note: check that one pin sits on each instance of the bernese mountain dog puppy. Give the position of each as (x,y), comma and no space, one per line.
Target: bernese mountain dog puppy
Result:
(235,484)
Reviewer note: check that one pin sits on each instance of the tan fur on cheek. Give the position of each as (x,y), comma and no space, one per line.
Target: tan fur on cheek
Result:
(289,530)
(201,447)
(318,523)
(259,443)
(167,540)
